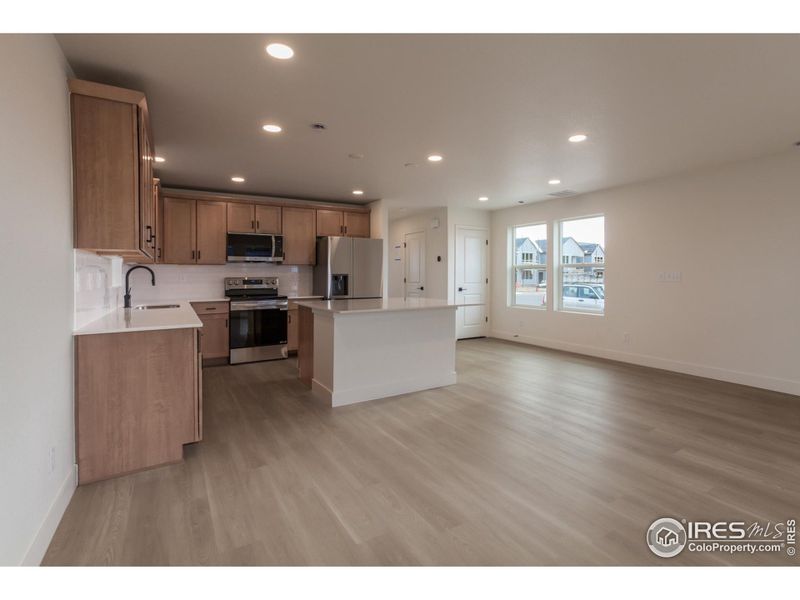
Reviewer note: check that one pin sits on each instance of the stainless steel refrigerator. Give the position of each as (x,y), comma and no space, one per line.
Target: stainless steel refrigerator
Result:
(348,267)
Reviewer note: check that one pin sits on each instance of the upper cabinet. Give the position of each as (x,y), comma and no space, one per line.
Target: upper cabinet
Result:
(337,222)
(112,157)
(356,224)
(299,236)
(253,218)
(330,222)
(194,231)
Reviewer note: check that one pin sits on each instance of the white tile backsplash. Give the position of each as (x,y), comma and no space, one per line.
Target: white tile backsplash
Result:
(97,286)
(198,282)
(99,283)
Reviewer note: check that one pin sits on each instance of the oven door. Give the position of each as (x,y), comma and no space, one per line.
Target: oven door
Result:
(258,334)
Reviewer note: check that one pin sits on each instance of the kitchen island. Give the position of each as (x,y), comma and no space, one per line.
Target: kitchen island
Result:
(356,350)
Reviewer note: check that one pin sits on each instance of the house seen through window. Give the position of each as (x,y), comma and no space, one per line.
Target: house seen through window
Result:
(582,270)
(530,266)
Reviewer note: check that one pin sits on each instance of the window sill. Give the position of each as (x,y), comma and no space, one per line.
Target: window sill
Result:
(582,312)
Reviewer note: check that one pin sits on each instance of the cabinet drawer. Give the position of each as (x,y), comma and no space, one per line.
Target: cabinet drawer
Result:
(210,308)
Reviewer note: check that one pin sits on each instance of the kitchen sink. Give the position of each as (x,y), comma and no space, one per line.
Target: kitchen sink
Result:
(154,306)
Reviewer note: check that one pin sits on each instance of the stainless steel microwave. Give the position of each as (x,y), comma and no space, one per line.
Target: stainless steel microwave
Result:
(255,247)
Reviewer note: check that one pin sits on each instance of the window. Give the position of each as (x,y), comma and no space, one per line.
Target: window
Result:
(529,266)
(581,273)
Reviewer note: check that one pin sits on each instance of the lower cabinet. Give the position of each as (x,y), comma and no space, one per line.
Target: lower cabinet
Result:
(292,329)
(215,333)
(137,400)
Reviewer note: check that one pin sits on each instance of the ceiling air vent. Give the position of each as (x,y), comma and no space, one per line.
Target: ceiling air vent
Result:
(563,193)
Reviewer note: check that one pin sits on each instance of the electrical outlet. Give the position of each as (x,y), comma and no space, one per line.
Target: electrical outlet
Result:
(669,276)
(52,459)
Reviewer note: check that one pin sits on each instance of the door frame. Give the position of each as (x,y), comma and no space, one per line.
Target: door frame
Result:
(454,249)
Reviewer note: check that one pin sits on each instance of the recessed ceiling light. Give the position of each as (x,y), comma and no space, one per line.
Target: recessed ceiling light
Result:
(271,128)
(281,51)
(554,181)
(237,179)
(483,199)
(358,192)
(435,157)
(578,137)
(159,159)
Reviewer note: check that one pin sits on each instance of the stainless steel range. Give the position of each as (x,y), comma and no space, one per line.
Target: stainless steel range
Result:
(257,318)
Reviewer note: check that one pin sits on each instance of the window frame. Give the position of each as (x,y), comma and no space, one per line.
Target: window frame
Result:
(557,265)
(513,266)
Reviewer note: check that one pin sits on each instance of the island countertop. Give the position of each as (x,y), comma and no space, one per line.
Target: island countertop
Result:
(372,305)
(126,320)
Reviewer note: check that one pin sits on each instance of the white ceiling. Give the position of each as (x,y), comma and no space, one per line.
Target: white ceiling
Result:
(498,107)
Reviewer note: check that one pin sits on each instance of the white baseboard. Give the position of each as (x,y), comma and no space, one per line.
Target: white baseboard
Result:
(787,386)
(382,390)
(40,543)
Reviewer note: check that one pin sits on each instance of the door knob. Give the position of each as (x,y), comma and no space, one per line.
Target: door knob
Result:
(422,287)
(462,289)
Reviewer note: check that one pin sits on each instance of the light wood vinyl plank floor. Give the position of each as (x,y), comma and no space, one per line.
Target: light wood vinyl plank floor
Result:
(535,457)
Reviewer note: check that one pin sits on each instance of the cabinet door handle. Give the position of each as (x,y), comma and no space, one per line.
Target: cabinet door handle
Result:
(150,236)
(289,318)
(345,229)
(192,254)
(226,323)
(252,224)
(258,224)
(159,253)
(198,255)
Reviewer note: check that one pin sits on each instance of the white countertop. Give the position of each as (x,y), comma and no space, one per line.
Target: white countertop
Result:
(372,305)
(128,320)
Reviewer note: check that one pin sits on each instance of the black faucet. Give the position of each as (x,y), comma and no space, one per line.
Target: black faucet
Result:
(128,285)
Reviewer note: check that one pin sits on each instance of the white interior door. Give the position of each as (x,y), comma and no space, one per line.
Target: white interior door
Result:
(471,281)
(415,264)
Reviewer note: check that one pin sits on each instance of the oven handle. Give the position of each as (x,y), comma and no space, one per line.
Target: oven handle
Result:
(244,308)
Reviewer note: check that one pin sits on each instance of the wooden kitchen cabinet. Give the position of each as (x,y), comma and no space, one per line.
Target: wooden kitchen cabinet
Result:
(214,335)
(253,218)
(299,236)
(330,222)
(292,329)
(268,219)
(211,236)
(138,400)
(112,158)
(158,221)
(356,224)
(337,222)
(241,217)
(179,231)
(194,231)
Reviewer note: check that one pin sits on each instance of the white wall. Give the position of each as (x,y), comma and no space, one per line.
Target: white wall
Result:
(732,233)
(36,263)
(436,245)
